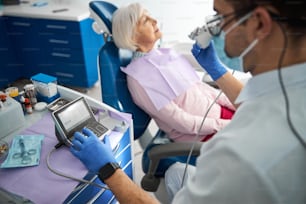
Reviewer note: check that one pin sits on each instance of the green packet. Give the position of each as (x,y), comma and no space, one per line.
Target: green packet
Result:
(24,151)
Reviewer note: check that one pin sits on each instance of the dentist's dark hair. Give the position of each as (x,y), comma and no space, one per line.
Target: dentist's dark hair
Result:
(289,12)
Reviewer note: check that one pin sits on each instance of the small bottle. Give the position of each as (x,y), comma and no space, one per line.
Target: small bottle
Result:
(2,100)
(30,93)
(28,105)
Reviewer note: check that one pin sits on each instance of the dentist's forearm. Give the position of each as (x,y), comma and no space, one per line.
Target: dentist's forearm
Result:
(126,191)
(230,86)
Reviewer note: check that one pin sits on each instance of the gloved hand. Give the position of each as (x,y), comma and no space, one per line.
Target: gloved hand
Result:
(91,151)
(209,60)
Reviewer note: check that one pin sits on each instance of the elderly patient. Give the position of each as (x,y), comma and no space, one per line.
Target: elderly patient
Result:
(163,83)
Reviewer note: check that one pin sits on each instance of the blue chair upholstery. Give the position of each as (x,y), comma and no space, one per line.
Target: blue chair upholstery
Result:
(113,82)
(114,87)
(161,151)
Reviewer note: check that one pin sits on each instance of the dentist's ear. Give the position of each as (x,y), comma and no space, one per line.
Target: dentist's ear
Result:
(264,23)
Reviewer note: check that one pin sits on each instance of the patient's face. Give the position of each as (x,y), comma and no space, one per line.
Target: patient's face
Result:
(146,33)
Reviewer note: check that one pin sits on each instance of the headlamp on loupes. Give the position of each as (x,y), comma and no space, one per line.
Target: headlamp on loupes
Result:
(212,27)
(214,24)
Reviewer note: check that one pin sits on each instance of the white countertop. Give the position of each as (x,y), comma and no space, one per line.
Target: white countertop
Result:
(75,10)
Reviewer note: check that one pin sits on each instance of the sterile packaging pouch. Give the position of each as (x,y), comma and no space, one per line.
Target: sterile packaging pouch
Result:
(24,151)
(46,87)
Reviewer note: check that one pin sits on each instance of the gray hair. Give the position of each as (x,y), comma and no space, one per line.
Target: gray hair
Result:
(124,23)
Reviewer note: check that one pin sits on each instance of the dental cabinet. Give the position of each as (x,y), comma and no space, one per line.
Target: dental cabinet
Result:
(55,39)
(40,185)
(8,70)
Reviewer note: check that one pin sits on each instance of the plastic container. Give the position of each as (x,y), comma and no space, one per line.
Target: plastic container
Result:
(11,117)
(46,87)
(12,92)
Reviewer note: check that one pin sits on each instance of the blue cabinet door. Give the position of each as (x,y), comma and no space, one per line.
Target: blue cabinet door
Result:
(67,50)
(9,69)
(23,33)
(71,49)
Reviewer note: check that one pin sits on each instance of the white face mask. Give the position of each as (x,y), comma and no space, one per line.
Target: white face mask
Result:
(246,50)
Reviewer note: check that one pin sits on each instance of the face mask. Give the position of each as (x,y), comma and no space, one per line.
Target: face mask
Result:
(230,62)
(246,51)
(239,59)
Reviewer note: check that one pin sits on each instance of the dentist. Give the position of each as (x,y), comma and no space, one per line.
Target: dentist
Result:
(260,157)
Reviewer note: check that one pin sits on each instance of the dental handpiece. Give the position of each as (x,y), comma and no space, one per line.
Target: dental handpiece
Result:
(201,35)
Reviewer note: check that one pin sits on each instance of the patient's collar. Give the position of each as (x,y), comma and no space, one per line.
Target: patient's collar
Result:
(138,54)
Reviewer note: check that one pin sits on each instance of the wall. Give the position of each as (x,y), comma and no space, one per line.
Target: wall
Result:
(177,18)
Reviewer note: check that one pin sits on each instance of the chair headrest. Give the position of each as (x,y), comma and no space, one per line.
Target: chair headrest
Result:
(102,13)
(115,92)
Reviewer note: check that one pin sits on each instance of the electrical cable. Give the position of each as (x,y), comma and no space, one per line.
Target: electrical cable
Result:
(283,88)
(197,137)
(198,134)
(68,176)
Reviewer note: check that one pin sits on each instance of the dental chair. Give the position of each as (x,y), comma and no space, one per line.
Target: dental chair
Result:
(160,152)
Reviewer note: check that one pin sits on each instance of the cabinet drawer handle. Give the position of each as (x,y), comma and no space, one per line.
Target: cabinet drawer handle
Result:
(116,148)
(118,154)
(64,74)
(58,41)
(91,201)
(56,54)
(82,189)
(21,24)
(57,27)
(112,199)
(124,167)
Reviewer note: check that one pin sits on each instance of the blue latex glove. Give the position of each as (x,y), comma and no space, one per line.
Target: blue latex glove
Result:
(209,60)
(91,151)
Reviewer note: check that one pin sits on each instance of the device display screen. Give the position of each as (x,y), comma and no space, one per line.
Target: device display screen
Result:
(74,115)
